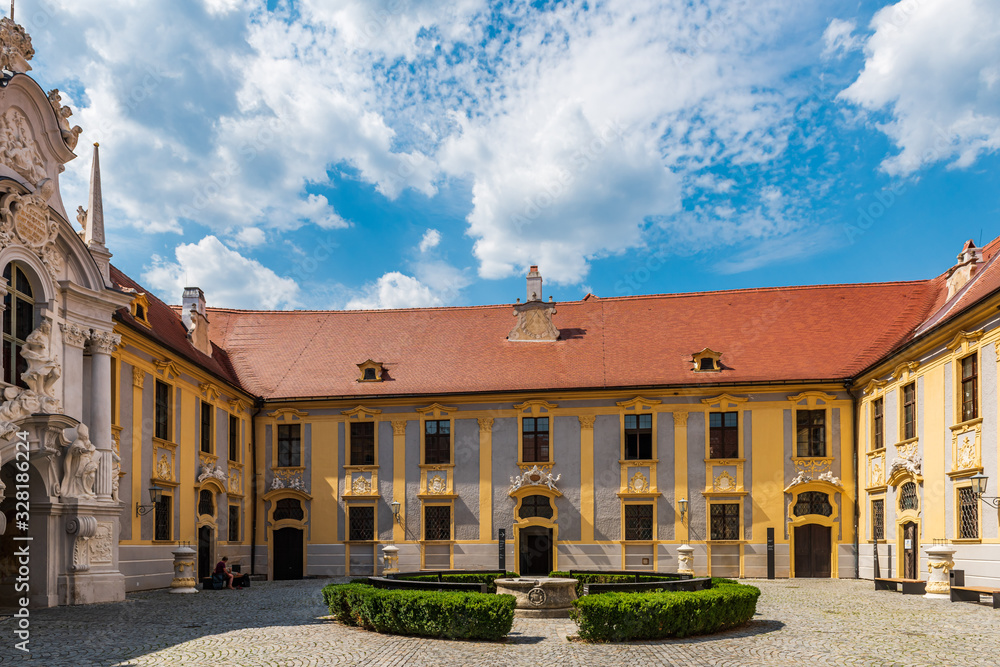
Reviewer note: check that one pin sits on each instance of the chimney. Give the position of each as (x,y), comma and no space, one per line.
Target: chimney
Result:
(963,272)
(534,285)
(195,320)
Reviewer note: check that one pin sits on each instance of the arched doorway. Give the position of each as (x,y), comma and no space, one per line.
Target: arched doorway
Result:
(814,515)
(288,553)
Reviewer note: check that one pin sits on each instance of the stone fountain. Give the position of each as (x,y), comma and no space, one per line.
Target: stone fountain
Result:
(540,597)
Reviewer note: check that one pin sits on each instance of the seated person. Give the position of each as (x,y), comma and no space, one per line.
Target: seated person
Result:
(222,568)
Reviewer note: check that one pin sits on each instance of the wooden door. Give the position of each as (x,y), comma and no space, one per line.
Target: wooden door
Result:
(536,551)
(205,564)
(288,553)
(910,551)
(812,551)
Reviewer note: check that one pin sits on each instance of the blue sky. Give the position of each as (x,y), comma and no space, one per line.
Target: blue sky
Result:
(397,153)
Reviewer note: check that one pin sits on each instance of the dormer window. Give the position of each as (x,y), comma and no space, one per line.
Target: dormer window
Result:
(371,371)
(140,309)
(706,361)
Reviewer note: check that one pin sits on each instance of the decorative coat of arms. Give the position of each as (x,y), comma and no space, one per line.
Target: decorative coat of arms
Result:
(534,477)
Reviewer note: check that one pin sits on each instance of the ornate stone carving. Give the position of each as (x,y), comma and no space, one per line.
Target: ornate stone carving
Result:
(116,463)
(638,483)
(437,484)
(877,472)
(18,149)
(101,546)
(74,334)
(287,479)
(235,485)
(680,418)
(534,322)
(104,342)
(534,476)
(138,377)
(361,486)
(43,369)
(164,469)
(25,219)
(80,463)
(536,596)
(485,424)
(587,421)
(15,46)
(908,462)
(208,472)
(724,482)
(967,455)
(84,527)
(399,427)
(71,135)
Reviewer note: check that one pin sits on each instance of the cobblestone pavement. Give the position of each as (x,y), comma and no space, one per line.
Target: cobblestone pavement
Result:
(799,622)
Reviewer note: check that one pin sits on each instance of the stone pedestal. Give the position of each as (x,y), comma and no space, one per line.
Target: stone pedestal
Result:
(540,597)
(685,559)
(390,559)
(939,564)
(184,561)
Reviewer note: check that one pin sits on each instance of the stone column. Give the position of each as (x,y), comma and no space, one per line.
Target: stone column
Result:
(74,339)
(102,345)
(939,564)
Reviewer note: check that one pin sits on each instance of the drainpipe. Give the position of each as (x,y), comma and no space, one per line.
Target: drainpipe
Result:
(848,385)
(258,405)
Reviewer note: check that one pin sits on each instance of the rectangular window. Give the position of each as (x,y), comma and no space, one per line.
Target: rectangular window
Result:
(206,427)
(437,522)
(910,411)
(363,443)
(162,519)
(726,521)
(362,524)
(878,424)
(968,514)
(723,435)
(234,523)
(535,440)
(638,437)
(289,445)
(638,522)
(811,432)
(437,441)
(878,519)
(162,426)
(234,438)
(970,388)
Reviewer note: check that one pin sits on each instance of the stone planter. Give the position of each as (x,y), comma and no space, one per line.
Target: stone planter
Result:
(939,564)
(540,597)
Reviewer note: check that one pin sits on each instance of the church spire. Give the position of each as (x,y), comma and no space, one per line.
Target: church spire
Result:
(94,229)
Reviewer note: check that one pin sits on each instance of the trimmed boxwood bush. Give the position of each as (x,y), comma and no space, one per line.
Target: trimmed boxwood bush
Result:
(616,617)
(451,615)
(582,579)
(488,579)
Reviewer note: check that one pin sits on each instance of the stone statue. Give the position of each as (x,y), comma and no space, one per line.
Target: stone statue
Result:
(79,466)
(81,217)
(43,369)
(70,135)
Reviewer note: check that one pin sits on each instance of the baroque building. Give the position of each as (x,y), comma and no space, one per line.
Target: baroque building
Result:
(789,428)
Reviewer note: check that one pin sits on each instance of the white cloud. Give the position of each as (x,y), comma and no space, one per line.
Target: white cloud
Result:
(250,237)
(394,290)
(227,277)
(933,66)
(839,38)
(431,239)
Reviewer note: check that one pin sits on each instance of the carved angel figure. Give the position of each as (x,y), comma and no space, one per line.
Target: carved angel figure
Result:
(43,369)
(79,466)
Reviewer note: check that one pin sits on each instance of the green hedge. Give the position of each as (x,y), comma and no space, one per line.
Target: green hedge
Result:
(582,579)
(451,615)
(616,617)
(488,579)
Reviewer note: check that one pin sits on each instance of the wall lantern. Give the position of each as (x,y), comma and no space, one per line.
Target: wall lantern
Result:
(683,504)
(979,482)
(155,495)
(395,512)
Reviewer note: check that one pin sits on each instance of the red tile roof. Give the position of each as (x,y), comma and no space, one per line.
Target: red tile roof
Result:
(783,334)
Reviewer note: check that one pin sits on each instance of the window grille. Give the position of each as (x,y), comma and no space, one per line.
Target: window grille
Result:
(535,439)
(532,506)
(234,523)
(813,502)
(968,514)
(161,520)
(878,519)
(908,496)
(363,443)
(638,437)
(725,521)
(288,508)
(206,504)
(811,432)
(723,435)
(362,524)
(437,522)
(437,441)
(638,522)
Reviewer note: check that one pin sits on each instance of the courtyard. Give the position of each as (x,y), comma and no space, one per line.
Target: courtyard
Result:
(799,622)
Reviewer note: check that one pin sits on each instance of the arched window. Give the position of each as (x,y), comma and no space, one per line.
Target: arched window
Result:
(206,503)
(539,506)
(18,322)
(813,502)
(908,497)
(288,508)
